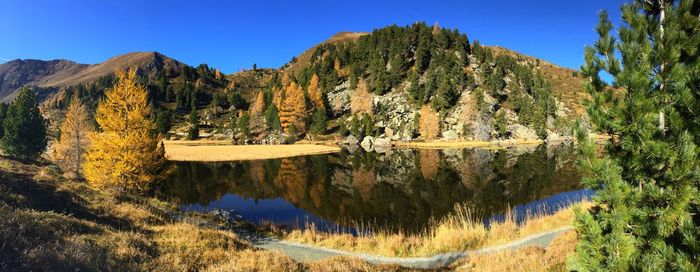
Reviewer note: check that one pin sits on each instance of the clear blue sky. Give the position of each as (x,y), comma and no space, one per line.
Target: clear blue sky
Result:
(235,34)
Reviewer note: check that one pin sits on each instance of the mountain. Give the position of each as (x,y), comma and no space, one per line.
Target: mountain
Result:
(17,73)
(62,73)
(427,82)
(415,82)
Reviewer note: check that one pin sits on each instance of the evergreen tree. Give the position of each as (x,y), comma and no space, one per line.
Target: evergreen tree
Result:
(163,86)
(500,124)
(3,114)
(318,123)
(244,124)
(646,210)
(24,129)
(272,117)
(414,89)
(355,126)
(446,94)
(126,152)
(164,121)
(193,130)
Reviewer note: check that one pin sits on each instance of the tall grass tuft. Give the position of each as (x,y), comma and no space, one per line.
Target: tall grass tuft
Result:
(458,231)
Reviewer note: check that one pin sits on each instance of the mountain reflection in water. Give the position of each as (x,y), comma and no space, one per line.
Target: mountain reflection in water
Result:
(401,190)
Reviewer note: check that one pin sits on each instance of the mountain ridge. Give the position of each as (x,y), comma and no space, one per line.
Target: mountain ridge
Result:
(62,73)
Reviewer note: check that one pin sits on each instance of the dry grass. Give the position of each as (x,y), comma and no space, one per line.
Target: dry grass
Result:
(347,264)
(458,231)
(253,261)
(214,151)
(552,258)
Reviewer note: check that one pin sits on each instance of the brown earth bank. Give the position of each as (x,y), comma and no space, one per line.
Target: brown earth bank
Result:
(224,151)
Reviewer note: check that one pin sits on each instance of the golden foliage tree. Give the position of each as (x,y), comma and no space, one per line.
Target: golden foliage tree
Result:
(315,93)
(231,85)
(285,80)
(429,123)
(69,152)
(336,65)
(361,100)
(217,74)
(293,110)
(126,152)
(259,106)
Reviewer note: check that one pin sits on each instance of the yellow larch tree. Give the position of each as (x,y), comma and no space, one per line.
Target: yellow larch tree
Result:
(277,97)
(315,93)
(336,65)
(217,74)
(285,80)
(429,123)
(361,100)
(69,152)
(293,110)
(258,106)
(126,152)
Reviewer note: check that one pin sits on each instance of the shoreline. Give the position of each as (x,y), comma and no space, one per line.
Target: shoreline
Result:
(223,150)
(213,151)
(438,144)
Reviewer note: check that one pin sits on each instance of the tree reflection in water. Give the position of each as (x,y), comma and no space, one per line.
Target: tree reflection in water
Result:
(402,190)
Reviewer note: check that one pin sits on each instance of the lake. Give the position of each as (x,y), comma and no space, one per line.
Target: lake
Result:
(401,190)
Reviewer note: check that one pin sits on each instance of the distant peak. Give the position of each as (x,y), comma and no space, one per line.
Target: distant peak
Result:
(346,35)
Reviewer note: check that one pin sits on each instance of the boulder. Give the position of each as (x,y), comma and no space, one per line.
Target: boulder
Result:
(389,132)
(351,148)
(451,121)
(553,137)
(382,142)
(450,135)
(522,132)
(351,140)
(367,143)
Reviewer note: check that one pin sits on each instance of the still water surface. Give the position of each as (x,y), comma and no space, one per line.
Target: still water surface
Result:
(402,190)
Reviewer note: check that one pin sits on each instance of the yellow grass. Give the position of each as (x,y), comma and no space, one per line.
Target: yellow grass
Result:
(458,231)
(552,258)
(216,151)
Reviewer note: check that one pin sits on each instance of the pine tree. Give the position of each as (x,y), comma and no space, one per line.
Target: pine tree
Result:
(164,120)
(69,151)
(244,123)
(126,153)
(193,130)
(272,117)
(318,124)
(24,129)
(355,126)
(414,89)
(3,114)
(647,206)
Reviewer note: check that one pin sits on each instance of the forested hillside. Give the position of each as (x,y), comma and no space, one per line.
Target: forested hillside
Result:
(399,83)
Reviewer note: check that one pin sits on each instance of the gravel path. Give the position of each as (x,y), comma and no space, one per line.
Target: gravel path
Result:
(306,253)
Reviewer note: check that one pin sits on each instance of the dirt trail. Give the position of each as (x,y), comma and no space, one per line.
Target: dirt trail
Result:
(306,253)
